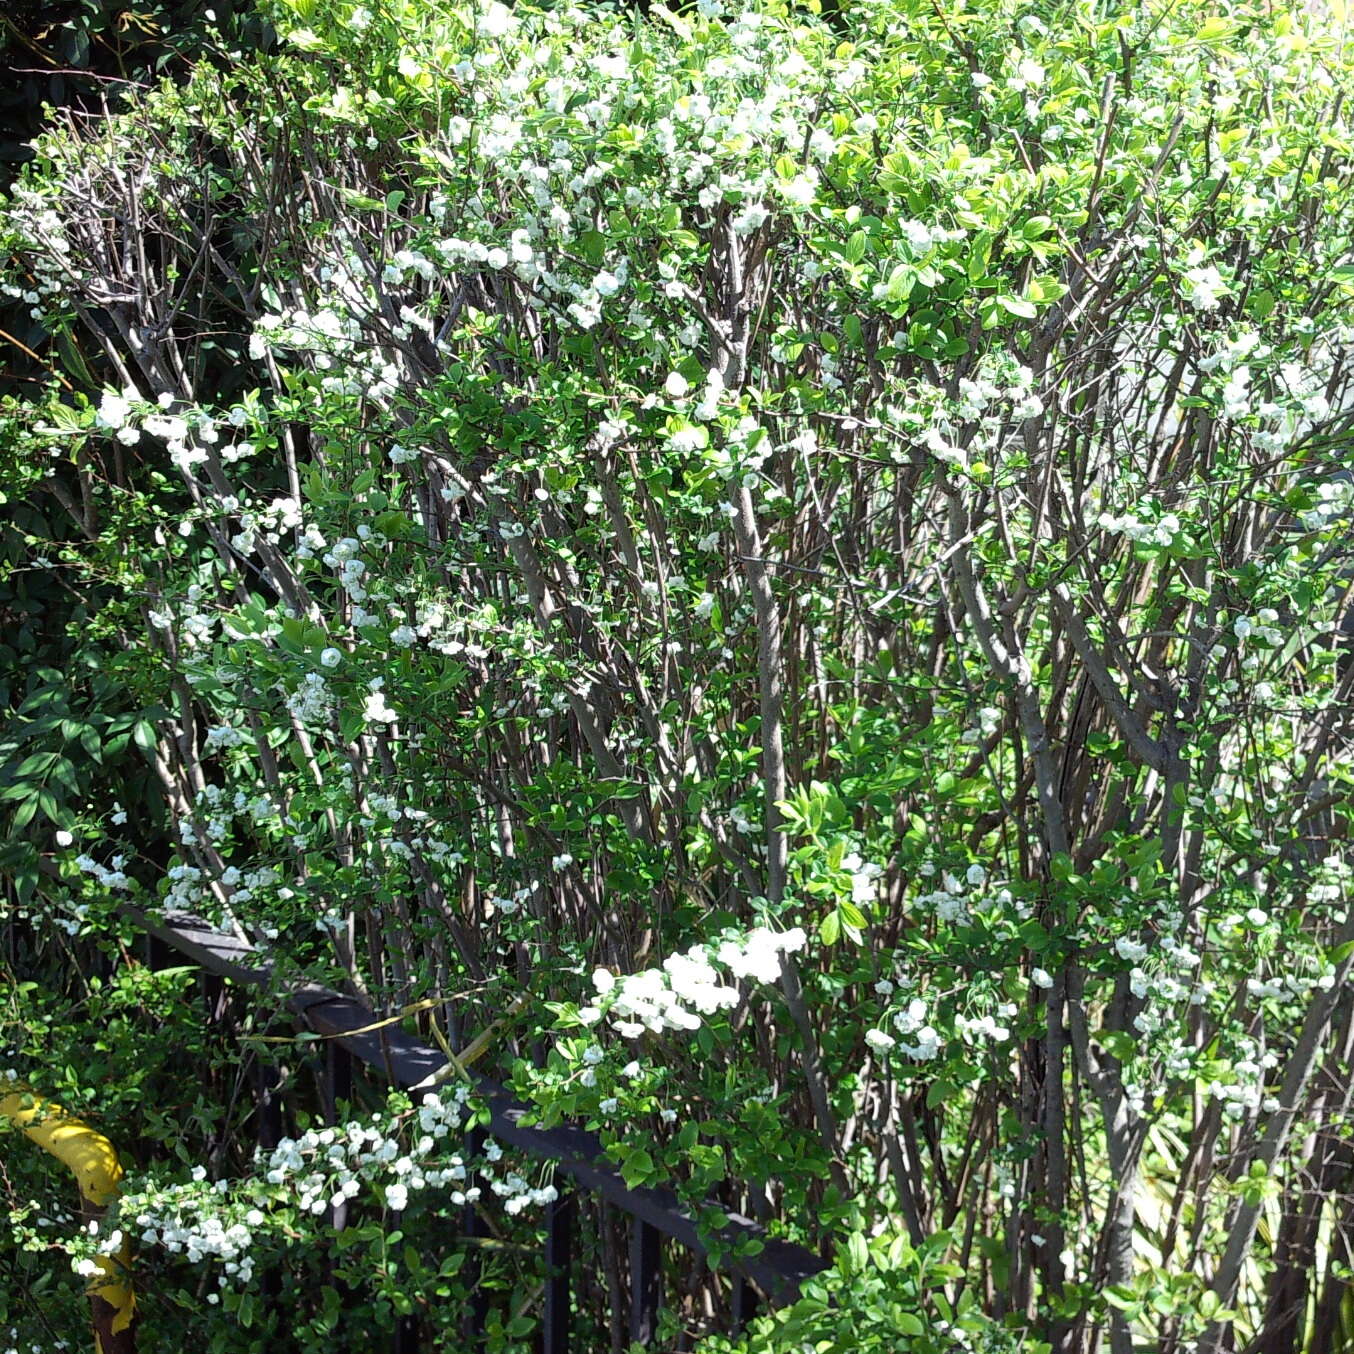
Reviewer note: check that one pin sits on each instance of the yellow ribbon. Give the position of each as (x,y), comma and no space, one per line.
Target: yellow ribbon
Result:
(94,1163)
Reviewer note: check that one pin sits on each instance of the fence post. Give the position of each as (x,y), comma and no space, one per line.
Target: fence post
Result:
(743,1302)
(645,1280)
(559,1255)
(336,1085)
(158,954)
(477,1309)
(215,996)
(407,1335)
(338,1076)
(267,1104)
(268,1132)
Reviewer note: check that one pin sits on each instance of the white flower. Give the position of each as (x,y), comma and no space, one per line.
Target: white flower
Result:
(376,710)
(927,1047)
(397,1196)
(1205,288)
(330,658)
(877,1039)
(1041,978)
(752,217)
(801,190)
(609,1106)
(115,410)
(496,22)
(676,385)
(603,980)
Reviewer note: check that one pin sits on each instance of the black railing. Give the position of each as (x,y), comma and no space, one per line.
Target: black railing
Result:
(773,1275)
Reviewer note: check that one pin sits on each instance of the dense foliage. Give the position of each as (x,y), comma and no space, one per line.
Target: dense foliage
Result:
(795,570)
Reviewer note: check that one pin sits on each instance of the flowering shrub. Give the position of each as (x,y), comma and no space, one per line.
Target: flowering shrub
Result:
(797,572)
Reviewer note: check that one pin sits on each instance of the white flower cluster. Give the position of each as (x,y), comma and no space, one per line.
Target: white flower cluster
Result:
(1205,288)
(518,1193)
(1262,628)
(1146,531)
(1289,985)
(1334,503)
(311,702)
(865,876)
(512,902)
(195,626)
(269,521)
(1245,1094)
(918,1038)
(114,878)
(214,812)
(984,1028)
(690,985)
(948,902)
(224,736)
(323,330)
(979,424)
(1130,950)
(377,710)
(343,557)
(320,1170)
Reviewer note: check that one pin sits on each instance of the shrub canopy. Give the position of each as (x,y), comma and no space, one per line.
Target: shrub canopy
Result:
(801,559)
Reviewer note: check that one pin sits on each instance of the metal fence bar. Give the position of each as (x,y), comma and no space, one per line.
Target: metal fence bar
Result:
(268,1133)
(408,1335)
(267,1105)
(743,1303)
(560,1220)
(474,1325)
(338,1078)
(646,1280)
(336,1087)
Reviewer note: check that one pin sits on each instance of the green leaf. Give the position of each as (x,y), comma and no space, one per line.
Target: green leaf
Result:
(852,916)
(1216,29)
(637,1168)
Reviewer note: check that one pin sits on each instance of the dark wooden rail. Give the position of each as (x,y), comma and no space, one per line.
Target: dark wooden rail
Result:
(774,1274)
